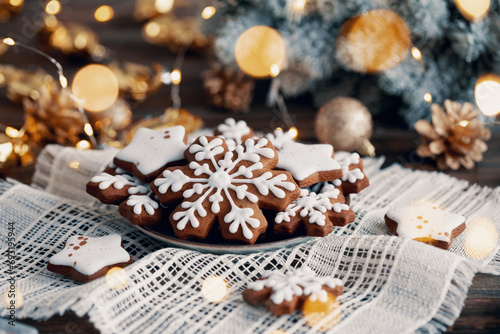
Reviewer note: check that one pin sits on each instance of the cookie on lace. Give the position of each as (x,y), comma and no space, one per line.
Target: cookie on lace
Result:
(86,258)
(230,186)
(425,222)
(317,213)
(308,163)
(353,178)
(151,151)
(114,189)
(284,293)
(235,132)
(142,210)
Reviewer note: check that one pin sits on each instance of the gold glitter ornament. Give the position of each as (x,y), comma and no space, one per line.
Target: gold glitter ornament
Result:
(8,157)
(111,122)
(20,83)
(346,124)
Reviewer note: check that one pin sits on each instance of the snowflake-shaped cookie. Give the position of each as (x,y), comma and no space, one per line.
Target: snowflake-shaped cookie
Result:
(87,258)
(308,163)
(283,293)
(151,151)
(235,132)
(229,185)
(317,213)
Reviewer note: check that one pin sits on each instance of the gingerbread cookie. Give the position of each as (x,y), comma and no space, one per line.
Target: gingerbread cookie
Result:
(425,222)
(231,186)
(151,151)
(318,213)
(353,178)
(142,210)
(308,163)
(284,293)
(86,258)
(114,189)
(234,132)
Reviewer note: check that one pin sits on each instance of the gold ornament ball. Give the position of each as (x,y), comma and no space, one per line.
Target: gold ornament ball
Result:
(374,41)
(346,124)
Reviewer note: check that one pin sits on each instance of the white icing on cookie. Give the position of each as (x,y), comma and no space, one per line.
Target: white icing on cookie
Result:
(106,180)
(231,173)
(150,150)
(232,130)
(88,255)
(350,175)
(312,205)
(425,221)
(301,282)
(279,138)
(143,201)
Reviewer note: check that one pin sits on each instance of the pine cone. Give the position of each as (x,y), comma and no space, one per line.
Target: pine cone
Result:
(455,137)
(53,118)
(227,88)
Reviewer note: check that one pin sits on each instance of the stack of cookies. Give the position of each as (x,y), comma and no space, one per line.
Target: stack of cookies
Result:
(230,177)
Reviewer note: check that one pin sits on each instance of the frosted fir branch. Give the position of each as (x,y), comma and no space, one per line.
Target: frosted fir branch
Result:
(469,40)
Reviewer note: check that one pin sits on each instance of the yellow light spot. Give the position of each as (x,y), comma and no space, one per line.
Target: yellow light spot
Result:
(481,238)
(487,94)
(322,316)
(116,278)
(16,3)
(416,53)
(164,6)
(152,29)
(176,77)
(294,132)
(258,49)
(63,81)
(88,129)
(9,41)
(53,7)
(83,145)
(96,86)
(463,123)
(214,289)
(298,5)
(473,10)
(208,12)
(11,132)
(51,21)
(428,97)
(419,227)
(74,164)
(13,296)
(104,13)
(275,70)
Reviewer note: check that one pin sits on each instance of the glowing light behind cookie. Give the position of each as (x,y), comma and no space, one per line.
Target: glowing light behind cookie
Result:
(214,289)
(104,13)
(208,12)
(96,87)
(294,132)
(487,94)
(481,238)
(164,6)
(176,77)
(83,145)
(260,51)
(473,10)
(322,316)
(13,296)
(116,278)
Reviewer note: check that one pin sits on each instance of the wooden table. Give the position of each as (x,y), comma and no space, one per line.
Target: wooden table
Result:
(481,313)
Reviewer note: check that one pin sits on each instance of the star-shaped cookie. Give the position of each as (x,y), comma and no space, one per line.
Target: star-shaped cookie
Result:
(425,222)
(151,151)
(87,258)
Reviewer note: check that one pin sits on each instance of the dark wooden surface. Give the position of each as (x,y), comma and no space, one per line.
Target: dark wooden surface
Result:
(481,312)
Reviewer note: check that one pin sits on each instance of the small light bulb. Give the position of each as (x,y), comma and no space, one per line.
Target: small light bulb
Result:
(428,97)
(11,132)
(9,41)
(416,53)
(104,13)
(275,70)
(208,12)
(53,7)
(176,77)
(88,129)
(463,123)
(294,132)
(299,5)
(63,81)
(83,145)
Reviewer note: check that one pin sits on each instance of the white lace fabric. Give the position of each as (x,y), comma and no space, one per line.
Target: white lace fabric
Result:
(391,284)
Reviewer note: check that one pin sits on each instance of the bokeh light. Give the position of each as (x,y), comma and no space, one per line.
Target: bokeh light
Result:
(374,41)
(164,6)
(116,278)
(294,132)
(13,297)
(258,49)
(208,12)
(176,77)
(53,7)
(96,87)
(415,52)
(487,94)
(473,10)
(214,289)
(9,41)
(74,164)
(322,316)
(104,13)
(428,97)
(83,145)
(481,238)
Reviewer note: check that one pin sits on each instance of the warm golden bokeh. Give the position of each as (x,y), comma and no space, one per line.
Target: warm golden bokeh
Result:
(481,238)
(259,51)
(487,94)
(473,10)
(104,13)
(214,289)
(322,316)
(116,278)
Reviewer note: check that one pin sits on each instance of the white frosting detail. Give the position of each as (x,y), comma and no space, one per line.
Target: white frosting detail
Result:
(92,256)
(425,220)
(117,169)
(233,130)
(301,282)
(312,205)
(149,150)
(231,173)
(142,201)
(278,138)
(304,160)
(106,180)
(350,175)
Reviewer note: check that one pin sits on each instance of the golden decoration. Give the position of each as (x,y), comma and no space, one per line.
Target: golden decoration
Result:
(176,33)
(171,117)
(8,157)
(374,41)
(260,51)
(9,9)
(346,124)
(137,81)
(111,122)
(455,137)
(20,83)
